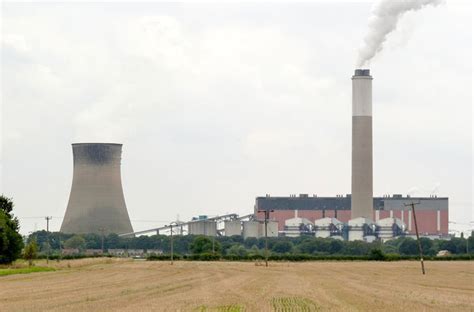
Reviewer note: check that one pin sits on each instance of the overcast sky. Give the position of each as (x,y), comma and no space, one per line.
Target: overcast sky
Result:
(216,104)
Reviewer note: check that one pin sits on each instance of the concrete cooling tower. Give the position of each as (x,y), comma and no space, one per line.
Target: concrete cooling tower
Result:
(96,202)
(362,184)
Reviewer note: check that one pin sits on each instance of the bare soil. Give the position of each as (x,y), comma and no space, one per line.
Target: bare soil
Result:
(132,285)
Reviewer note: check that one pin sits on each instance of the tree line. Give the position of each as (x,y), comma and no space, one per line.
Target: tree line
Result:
(237,245)
(12,244)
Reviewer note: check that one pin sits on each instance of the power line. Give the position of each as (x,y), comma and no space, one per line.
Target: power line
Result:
(38,217)
(133,220)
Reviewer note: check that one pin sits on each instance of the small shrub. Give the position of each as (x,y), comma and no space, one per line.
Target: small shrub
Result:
(163,257)
(208,257)
(376,255)
(30,252)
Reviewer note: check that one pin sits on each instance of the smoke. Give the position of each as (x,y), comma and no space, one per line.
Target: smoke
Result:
(413,191)
(384,20)
(435,189)
(418,190)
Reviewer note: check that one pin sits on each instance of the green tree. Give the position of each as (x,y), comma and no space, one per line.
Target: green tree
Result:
(448,245)
(460,243)
(144,242)
(335,246)
(203,244)
(183,243)
(323,244)
(470,243)
(46,248)
(356,248)
(250,241)
(75,242)
(427,246)
(376,254)
(237,250)
(282,247)
(113,241)
(392,246)
(55,240)
(30,252)
(308,246)
(254,251)
(390,249)
(92,241)
(409,246)
(11,242)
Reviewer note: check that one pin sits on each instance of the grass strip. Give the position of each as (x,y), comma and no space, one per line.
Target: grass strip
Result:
(4,272)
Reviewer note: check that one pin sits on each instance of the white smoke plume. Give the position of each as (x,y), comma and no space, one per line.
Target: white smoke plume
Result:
(435,189)
(384,20)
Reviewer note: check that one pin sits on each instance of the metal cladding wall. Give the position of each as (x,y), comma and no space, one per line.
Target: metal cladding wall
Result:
(362,179)
(432,213)
(272,229)
(96,202)
(203,227)
(250,229)
(233,227)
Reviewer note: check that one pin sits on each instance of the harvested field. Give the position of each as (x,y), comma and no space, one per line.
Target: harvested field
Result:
(127,285)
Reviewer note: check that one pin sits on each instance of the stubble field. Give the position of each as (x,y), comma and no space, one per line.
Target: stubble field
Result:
(127,285)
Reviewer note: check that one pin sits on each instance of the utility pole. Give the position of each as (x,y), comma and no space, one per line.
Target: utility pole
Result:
(467,247)
(417,235)
(47,236)
(171,240)
(171,231)
(102,231)
(267,215)
(60,249)
(47,223)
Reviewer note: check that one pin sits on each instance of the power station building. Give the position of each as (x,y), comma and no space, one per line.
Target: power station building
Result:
(364,216)
(96,203)
(356,216)
(432,213)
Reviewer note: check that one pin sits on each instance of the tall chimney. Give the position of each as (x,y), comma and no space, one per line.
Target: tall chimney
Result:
(96,203)
(362,185)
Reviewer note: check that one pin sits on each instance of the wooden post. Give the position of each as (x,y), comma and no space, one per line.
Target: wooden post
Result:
(420,249)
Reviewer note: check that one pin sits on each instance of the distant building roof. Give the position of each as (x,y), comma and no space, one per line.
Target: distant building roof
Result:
(390,222)
(344,203)
(359,221)
(327,222)
(297,221)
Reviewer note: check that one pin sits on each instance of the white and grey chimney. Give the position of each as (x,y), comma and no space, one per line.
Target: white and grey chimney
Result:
(362,179)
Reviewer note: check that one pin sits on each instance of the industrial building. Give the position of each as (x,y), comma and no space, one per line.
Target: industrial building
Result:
(96,203)
(432,212)
(356,216)
(328,227)
(203,227)
(224,225)
(297,226)
(361,229)
(390,227)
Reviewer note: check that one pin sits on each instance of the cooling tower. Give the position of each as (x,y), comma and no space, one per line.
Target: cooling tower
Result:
(362,184)
(96,203)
